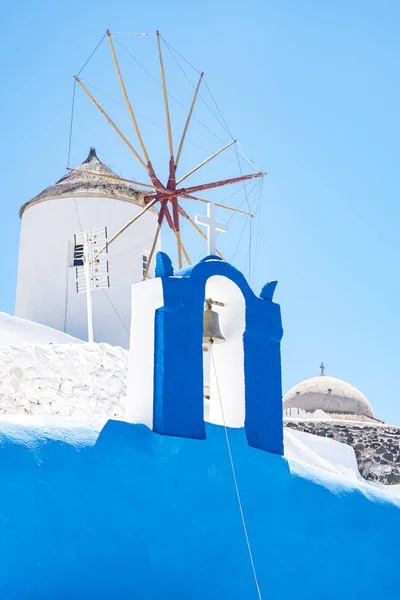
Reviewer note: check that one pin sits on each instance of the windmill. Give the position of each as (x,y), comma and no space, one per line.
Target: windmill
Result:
(164,198)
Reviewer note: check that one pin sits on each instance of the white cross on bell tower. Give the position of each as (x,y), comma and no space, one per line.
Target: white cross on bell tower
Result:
(212,226)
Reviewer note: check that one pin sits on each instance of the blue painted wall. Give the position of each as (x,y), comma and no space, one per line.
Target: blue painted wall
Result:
(132,514)
(178,372)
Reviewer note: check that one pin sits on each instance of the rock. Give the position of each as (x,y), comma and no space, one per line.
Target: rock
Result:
(376,447)
(393,478)
(388,456)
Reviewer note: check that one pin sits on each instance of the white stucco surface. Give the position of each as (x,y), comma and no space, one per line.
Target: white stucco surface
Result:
(46,285)
(227,402)
(14,330)
(80,381)
(147,297)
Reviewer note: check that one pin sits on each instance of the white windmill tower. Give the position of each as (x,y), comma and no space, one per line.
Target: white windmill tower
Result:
(51,274)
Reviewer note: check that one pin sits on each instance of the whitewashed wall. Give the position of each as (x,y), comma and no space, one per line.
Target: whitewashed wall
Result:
(147,297)
(46,286)
(82,381)
(227,402)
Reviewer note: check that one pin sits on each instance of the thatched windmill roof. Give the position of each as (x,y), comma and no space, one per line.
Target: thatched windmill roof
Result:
(81,184)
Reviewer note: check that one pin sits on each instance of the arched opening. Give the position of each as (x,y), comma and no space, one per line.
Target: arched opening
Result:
(223,363)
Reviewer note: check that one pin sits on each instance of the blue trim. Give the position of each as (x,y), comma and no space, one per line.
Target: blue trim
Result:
(178,373)
(164,266)
(129,514)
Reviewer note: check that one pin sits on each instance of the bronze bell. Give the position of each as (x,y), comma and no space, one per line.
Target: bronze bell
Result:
(212,333)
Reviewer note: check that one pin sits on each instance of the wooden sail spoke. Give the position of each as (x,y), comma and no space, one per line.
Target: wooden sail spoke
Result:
(166,195)
(128,224)
(127,101)
(206,161)
(184,252)
(179,247)
(161,194)
(215,184)
(189,197)
(174,225)
(178,156)
(161,215)
(111,122)
(164,87)
(153,247)
(175,216)
(168,218)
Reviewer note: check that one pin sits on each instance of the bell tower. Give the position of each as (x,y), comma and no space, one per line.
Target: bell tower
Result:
(169,328)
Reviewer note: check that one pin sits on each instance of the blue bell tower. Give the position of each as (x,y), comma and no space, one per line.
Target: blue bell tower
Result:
(177,392)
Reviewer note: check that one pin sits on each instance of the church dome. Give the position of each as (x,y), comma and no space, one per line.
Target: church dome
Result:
(329,394)
(80,183)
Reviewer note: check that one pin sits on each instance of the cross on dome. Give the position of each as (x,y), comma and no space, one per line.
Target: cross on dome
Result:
(322,367)
(212,225)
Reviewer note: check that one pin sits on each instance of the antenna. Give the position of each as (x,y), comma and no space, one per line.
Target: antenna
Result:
(93,275)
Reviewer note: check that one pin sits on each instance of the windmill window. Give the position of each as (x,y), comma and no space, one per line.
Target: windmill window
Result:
(78,255)
(145,258)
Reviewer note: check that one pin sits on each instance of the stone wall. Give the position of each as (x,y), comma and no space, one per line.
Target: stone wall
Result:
(377,447)
(71,380)
(88,381)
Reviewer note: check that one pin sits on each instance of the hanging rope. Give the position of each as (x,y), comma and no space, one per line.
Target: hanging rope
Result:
(257,212)
(182,57)
(77,213)
(169,94)
(73,99)
(116,311)
(177,135)
(222,122)
(71,123)
(219,111)
(250,221)
(241,173)
(172,51)
(92,54)
(131,33)
(257,186)
(246,534)
(246,158)
(260,205)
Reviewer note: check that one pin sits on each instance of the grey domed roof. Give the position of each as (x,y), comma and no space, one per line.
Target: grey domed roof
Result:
(329,394)
(75,183)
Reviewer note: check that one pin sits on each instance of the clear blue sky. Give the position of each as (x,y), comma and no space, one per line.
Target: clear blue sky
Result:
(311,89)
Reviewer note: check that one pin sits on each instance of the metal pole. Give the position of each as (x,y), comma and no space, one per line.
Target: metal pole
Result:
(86,266)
